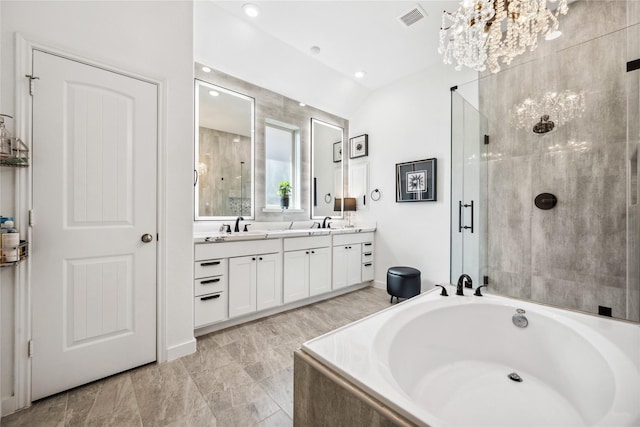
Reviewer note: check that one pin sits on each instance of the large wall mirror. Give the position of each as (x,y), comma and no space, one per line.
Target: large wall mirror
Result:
(326,168)
(224,153)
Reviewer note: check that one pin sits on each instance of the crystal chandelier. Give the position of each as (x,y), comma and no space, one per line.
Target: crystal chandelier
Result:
(486,32)
(548,110)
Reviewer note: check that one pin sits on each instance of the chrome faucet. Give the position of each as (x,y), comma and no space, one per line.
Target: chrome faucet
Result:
(466,280)
(324,222)
(225,228)
(237,227)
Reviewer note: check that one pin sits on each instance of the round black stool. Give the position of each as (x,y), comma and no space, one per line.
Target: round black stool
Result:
(403,282)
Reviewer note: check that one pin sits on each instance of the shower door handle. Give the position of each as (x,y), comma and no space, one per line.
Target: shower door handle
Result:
(460,226)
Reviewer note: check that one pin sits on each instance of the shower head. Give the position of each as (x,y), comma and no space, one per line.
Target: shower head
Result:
(544,125)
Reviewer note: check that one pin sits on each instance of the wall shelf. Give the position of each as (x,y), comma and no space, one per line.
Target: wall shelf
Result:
(15,162)
(23,253)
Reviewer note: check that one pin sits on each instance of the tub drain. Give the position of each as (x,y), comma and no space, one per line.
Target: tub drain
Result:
(515,377)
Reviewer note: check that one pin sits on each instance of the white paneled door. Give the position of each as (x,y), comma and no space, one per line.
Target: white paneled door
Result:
(93,271)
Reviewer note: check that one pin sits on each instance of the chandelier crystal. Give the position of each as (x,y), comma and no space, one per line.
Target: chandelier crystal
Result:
(549,109)
(485,33)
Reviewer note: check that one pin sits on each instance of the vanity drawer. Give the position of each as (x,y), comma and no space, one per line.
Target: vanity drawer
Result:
(367,256)
(367,247)
(208,285)
(210,267)
(367,271)
(209,309)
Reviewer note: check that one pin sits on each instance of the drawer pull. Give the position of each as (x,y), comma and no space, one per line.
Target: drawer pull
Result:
(367,254)
(368,244)
(210,297)
(368,264)
(208,264)
(206,282)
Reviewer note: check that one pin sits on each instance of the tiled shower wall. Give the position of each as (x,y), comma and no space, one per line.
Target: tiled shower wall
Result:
(574,255)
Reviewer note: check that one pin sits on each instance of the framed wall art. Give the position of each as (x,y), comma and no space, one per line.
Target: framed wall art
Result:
(416,181)
(337,152)
(359,146)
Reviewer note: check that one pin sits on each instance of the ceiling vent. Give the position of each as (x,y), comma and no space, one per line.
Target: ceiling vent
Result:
(413,16)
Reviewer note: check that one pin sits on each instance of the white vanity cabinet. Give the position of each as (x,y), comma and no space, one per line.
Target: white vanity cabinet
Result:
(210,291)
(254,283)
(368,273)
(246,279)
(307,267)
(348,259)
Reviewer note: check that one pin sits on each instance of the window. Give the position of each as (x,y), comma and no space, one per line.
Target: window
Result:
(282,162)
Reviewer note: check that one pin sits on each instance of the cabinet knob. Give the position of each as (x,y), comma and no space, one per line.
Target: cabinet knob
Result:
(260,258)
(313,252)
(307,252)
(253,259)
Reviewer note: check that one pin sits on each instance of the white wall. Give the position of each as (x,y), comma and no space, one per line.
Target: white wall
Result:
(149,38)
(410,120)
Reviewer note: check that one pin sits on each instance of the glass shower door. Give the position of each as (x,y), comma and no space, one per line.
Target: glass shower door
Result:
(468,190)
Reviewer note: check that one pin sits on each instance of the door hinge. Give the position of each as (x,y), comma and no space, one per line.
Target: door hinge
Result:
(30,349)
(32,220)
(31,85)
(485,280)
(486,139)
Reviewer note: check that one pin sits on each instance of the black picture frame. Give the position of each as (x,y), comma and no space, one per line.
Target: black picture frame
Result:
(416,181)
(359,146)
(337,152)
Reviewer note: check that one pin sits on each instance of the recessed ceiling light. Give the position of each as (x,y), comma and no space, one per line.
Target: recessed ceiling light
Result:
(359,74)
(213,93)
(251,10)
(553,35)
(302,104)
(206,69)
(315,50)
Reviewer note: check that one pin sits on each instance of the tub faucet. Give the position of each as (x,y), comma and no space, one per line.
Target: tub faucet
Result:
(324,222)
(237,227)
(464,278)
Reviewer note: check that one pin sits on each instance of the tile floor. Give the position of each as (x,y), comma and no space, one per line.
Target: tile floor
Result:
(241,376)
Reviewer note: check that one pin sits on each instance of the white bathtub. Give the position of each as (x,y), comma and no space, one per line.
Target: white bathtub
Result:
(445,361)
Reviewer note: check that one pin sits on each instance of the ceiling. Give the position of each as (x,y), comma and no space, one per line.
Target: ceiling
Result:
(353,35)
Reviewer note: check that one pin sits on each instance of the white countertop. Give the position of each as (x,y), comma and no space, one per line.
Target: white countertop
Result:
(221,237)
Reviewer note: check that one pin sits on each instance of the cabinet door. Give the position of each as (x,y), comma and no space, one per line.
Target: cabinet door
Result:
(339,266)
(354,265)
(242,285)
(319,271)
(269,281)
(296,275)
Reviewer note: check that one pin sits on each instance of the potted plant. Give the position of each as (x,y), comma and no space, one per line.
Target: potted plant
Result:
(284,191)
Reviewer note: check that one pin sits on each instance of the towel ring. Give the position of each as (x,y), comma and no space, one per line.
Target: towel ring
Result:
(327,198)
(376,194)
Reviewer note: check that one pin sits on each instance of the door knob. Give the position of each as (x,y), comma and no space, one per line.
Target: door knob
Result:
(146,238)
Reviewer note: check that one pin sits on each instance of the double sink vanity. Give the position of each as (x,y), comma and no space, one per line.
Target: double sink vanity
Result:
(251,143)
(245,275)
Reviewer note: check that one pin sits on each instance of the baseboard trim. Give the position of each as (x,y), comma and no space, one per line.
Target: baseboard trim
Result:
(379,285)
(177,351)
(8,405)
